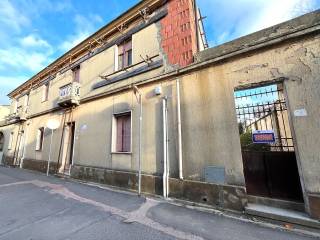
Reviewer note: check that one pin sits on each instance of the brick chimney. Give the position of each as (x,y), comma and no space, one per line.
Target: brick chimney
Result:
(179,32)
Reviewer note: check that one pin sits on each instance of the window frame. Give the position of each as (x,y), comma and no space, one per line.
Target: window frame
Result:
(2,141)
(45,92)
(10,143)
(40,147)
(125,49)
(76,74)
(114,140)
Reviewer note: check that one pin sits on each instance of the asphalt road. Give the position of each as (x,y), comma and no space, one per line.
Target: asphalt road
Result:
(36,207)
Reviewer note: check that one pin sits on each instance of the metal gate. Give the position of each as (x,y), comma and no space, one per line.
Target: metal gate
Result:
(268,153)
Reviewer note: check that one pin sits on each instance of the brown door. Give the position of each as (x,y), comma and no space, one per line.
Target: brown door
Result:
(67,148)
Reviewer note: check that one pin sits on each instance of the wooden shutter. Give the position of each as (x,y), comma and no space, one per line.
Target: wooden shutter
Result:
(119,134)
(127,133)
(76,74)
(38,139)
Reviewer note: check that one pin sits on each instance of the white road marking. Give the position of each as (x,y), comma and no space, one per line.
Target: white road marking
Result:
(138,216)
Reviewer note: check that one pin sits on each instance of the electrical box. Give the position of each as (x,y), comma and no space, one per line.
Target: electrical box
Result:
(214,174)
(158,90)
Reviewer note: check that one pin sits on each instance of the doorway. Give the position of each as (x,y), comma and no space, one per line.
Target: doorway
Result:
(1,147)
(19,148)
(268,152)
(67,148)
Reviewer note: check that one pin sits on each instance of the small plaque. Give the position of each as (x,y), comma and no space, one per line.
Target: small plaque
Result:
(263,136)
(300,113)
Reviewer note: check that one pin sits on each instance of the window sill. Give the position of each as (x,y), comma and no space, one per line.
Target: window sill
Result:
(125,153)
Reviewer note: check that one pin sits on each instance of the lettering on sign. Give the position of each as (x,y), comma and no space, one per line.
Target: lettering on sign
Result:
(263,136)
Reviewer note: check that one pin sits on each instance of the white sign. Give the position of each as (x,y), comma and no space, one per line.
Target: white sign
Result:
(53,124)
(300,113)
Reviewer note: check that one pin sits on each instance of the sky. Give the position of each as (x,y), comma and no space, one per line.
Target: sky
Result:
(33,33)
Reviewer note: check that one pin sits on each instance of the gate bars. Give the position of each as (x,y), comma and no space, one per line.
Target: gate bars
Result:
(263,108)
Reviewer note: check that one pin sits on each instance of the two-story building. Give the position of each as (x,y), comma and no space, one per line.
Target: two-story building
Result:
(143,101)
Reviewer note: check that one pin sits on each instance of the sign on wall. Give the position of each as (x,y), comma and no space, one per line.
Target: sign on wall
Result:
(263,136)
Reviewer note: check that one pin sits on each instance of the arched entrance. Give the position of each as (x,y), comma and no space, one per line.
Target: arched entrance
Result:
(1,146)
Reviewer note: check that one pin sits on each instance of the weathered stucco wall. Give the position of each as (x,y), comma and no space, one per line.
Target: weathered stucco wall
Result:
(209,125)
(297,62)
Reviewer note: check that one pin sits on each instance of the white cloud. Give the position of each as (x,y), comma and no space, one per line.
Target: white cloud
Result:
(12,18)
(84,27)
(276,11)
(9,82)
(20,59)
(34,41)
(12,82)
(227,21)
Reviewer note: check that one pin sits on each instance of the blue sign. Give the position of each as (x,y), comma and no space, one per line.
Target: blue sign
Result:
(263,136)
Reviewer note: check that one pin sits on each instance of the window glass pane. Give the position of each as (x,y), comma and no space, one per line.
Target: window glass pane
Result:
(1,141)
(129,58)
(127,133)
(76,74)
(119,134)
(121,62)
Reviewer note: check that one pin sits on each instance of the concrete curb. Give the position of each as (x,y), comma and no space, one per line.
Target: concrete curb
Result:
(240,216)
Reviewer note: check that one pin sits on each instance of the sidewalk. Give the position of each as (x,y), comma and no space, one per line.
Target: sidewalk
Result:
(70,210)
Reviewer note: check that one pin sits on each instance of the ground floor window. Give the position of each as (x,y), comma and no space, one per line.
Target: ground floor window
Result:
(40,135)
(1,141)
(122,132)
(10,141)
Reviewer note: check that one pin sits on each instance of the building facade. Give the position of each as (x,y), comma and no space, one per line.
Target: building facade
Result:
(144,93)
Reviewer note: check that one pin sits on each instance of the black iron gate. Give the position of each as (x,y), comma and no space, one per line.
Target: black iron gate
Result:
(270,167)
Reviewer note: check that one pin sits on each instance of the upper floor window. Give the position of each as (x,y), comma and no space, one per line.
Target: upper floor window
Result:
(125,54)
(76,73)
(45,93)
(39,140)
(27,98)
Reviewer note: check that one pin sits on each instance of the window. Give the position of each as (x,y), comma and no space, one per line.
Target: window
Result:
(27,98)
(76,74)
(10,141)
(122,134)
(40,135)
(1,141)
(14,105)
(125,54)
(45,94)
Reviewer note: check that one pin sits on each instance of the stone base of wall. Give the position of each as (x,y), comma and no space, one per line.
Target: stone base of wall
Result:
(222,196)
(314,203)
(39,165)
(219,196)
(129,180)
(8,160)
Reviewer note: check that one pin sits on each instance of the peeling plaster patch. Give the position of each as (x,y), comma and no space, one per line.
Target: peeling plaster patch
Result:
(275,73)
(138,216)
(251,68)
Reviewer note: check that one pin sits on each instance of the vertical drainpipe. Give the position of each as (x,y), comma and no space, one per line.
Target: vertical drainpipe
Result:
(24,144)
(179,130)
(165,148)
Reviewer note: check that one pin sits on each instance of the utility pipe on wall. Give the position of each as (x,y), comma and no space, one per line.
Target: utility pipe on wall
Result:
(24,144)
(165,149)
(136,91)
(179,130)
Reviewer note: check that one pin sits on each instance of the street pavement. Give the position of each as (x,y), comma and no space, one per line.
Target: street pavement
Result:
(36,207)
